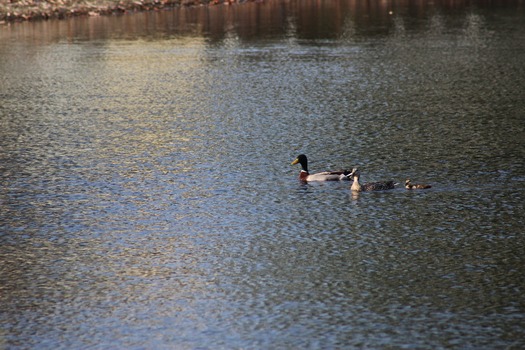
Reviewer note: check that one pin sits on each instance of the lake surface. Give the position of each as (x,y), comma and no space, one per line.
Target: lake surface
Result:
(148,202)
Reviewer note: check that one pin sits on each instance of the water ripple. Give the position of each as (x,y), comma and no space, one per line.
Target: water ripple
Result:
(148,199)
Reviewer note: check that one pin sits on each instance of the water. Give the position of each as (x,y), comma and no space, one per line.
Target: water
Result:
(148,199)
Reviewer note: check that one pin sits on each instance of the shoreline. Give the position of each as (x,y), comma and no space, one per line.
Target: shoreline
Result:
(12,11)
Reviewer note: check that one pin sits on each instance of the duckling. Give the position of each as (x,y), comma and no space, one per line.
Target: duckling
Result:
(305,176)
(410,186)
(370,186)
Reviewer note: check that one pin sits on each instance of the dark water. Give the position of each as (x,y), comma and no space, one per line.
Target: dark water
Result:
(148,202)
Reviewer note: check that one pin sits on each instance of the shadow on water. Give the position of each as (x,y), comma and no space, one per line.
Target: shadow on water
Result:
(298,20)
(147,198)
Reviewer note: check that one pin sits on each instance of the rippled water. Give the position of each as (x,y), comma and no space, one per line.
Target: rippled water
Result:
(148,200)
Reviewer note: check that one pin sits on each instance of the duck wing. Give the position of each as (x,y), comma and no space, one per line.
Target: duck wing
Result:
(378,186)
(422,186)
(329,176)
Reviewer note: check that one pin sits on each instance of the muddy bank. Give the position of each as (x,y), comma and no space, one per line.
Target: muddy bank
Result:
(28,10)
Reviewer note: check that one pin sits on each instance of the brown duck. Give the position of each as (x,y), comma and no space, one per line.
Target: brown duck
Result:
(369,186)
(411,186)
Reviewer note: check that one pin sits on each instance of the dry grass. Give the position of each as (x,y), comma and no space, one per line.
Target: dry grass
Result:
(19,10)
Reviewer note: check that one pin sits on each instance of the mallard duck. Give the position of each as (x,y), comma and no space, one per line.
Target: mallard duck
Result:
(370,186)
(324,176)
(411,186)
